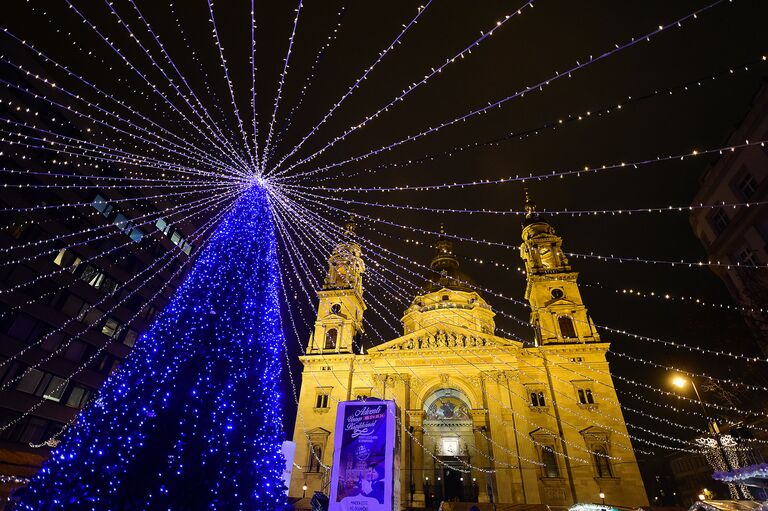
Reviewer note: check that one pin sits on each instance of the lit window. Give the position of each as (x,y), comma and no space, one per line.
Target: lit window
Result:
(41,384)
(111,327)
(176,237)
(161,224)
(67,259)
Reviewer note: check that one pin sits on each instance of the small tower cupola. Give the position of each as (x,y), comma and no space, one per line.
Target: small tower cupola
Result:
(542,248)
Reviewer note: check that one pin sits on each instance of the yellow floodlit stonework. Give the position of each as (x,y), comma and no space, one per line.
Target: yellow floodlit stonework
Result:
(483,418)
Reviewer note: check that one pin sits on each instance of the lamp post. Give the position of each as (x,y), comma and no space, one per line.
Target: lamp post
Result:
(680,382)
(304,489)
(602,497)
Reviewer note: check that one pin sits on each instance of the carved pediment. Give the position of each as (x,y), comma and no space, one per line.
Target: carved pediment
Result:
(446,339)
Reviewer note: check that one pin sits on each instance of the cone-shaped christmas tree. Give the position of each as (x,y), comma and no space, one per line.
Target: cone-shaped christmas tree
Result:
(192,419)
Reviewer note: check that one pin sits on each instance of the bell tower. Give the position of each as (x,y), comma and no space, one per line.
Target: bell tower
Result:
(340,310)
(558,314)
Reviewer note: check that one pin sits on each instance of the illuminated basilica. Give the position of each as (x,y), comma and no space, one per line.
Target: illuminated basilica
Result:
(482,418)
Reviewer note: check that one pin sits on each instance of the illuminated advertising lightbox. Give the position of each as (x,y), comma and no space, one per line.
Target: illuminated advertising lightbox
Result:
(365,473)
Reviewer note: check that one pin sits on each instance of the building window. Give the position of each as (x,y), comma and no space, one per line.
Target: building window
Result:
(101,205)
(549,461)
(446,298)
(67,259)
(330,339)
(566,327)
(26,328)
(747,186)
(17,227)
(585,396)
(76,351)
(88,314)
(111,328)
(720,220)
(41,384)
(537,398)
(130,337)
(78,397)
(602,462)
(746,256)
(322,401)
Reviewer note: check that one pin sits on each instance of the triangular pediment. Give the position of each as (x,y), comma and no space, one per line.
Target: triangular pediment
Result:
(445,337)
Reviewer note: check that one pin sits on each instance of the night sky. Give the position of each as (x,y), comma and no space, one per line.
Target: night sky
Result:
(528,49)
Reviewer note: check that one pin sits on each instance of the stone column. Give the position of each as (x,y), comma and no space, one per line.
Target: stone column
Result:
(416,418)
(482,454)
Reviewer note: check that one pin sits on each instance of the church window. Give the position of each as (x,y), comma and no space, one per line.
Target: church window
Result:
(330,339)
(586,397)
(445,298)
(566,327)
(321,401)
(602,462)
(549,460)
(537,398)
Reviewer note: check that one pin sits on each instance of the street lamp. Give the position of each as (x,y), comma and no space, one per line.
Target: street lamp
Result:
(681,382)
(602,497)
(304,488)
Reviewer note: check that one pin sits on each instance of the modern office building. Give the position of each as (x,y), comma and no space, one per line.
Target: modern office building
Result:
(83,271)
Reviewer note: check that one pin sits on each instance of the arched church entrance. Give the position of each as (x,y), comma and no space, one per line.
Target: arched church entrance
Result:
(449,436)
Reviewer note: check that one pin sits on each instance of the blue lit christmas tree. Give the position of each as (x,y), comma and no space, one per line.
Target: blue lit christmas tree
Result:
(192,418)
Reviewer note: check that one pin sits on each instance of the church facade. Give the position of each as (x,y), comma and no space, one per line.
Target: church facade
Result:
(483,418)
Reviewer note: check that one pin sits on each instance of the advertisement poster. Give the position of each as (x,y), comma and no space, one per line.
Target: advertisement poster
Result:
(362,475)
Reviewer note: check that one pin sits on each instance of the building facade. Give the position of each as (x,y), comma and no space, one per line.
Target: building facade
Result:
(69,300)
(483,418)
(738,237)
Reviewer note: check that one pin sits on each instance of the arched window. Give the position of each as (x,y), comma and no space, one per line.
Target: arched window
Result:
(602,462)
(549,459)
(330,339)
(566,327)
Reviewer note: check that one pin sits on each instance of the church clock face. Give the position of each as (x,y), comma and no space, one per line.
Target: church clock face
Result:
(557,293)
(336,308)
